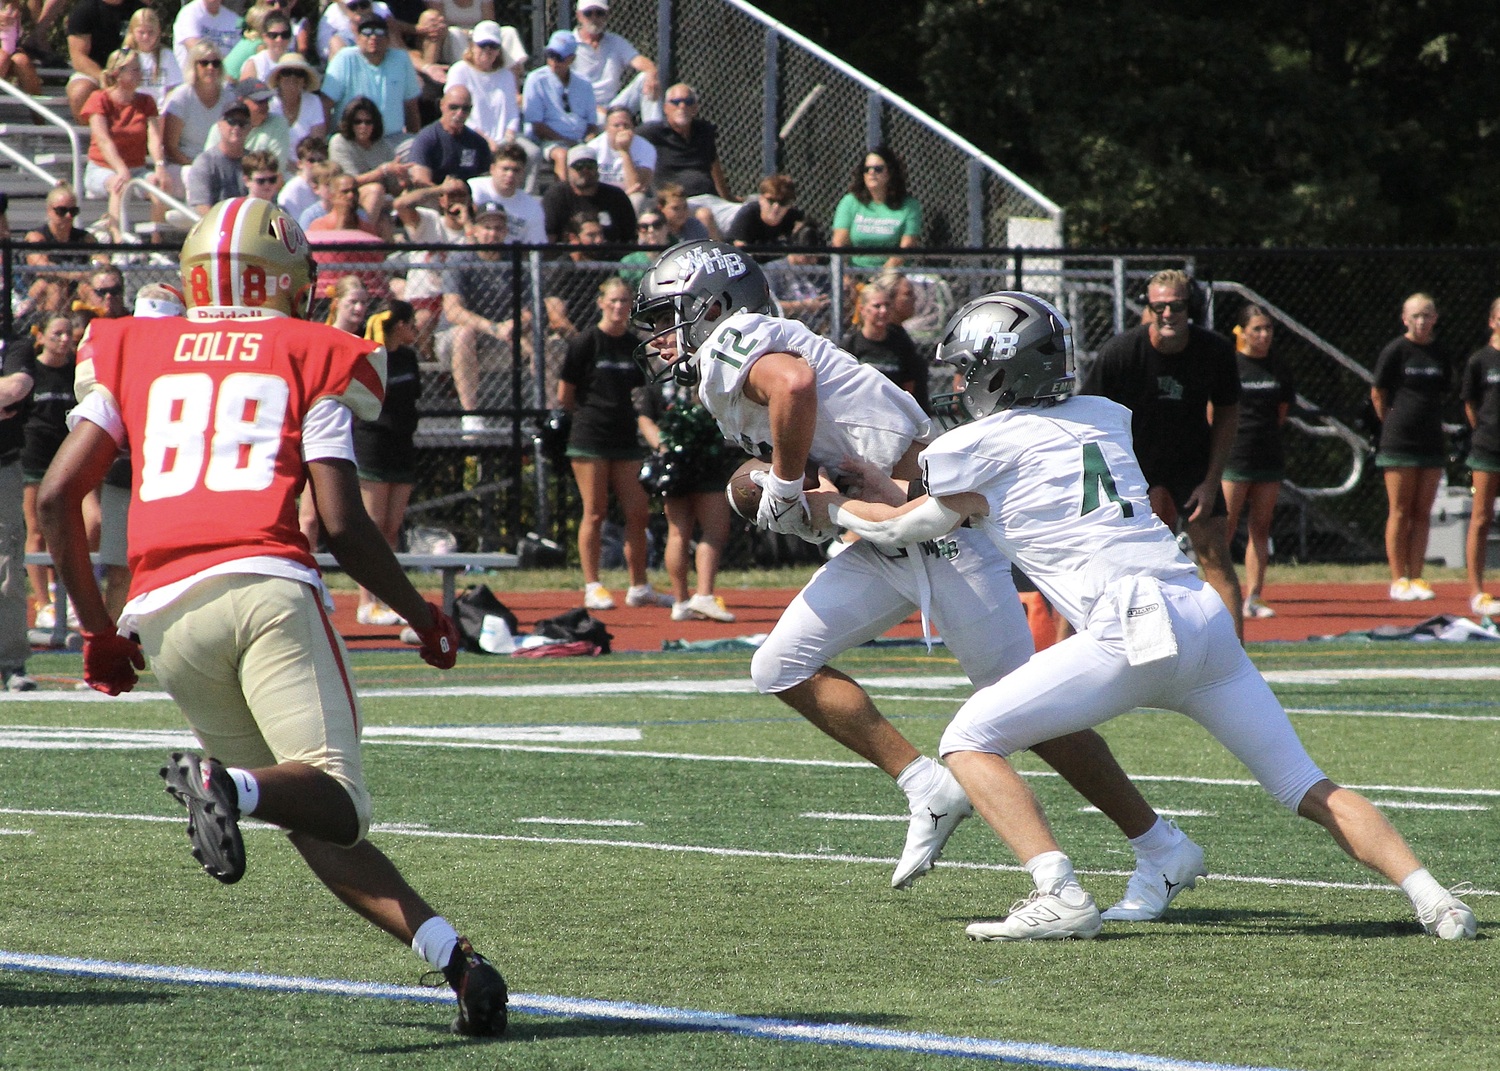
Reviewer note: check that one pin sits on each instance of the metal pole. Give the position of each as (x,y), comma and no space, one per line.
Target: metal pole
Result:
(664,43)
(976,203)
(769,100)
(873,134)
(1118,263)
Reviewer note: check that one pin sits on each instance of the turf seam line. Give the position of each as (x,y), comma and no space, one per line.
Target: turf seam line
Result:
(1062,1057)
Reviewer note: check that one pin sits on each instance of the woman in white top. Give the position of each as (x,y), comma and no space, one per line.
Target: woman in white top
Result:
(160,71)
(497,113)
(192,109)
(277,36)
(295,83)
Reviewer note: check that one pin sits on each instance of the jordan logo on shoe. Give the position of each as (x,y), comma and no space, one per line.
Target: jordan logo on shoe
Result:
(1170,884)
(936,818)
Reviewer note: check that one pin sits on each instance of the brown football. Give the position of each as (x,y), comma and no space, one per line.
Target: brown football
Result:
(744,493)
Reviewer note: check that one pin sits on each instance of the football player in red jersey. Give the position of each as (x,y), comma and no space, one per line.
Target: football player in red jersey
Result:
(228,412)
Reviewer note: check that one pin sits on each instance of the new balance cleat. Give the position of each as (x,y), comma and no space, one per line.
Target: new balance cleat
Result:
(1157,881)
(1451,919)
(646,595)
(1485,605)
(481,992)
(1068,913)
(205,788)
(933,820)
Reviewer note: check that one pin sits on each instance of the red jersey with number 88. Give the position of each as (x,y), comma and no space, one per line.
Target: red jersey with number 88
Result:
(213,412)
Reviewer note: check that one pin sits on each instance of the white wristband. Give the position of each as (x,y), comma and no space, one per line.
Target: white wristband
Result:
(787,489)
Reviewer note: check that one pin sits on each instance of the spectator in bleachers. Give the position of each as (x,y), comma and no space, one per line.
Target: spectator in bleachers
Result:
(297,100)
(770,218)
(384,449)
(682,225)
(651,232)
(466,15)
(877,210)
(361,150)
(103,292)
(687,153)
(125,139)
(583,228)
(16,65)
(877,342)
(447,224)
(192,110)
(262,173)
(160,71)
(583,192)
(41,16)
(605,56)
(216,174)
(799,282)
(252,37)
(492,84)
(448,147)
(559,109)
(95,29)
(380,73)
(52,290)
(434,47)
(476,309)
(524,216)
(598,386)
(625,160)
(297,195)
(273,43)
(268,132)
(204,20)
(320,179)
(344,210)
(338,27)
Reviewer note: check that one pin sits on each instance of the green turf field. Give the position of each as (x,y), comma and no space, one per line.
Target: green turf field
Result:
(642,830)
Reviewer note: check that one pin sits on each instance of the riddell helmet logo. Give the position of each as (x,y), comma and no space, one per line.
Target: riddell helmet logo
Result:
(716,260)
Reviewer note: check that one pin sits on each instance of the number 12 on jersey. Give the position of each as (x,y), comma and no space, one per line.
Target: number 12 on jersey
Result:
(238,429)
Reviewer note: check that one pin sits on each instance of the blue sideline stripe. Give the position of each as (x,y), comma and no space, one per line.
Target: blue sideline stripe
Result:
(1053,1056)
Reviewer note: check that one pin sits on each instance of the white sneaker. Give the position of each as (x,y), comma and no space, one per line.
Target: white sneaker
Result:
(46,616)
(1255,608)
(933,819)
(1421,590)
(1069,912)
(597,598)
(706,607)
(378,614)
(1401,590)
(1485,605)
(1157,881)
(1451,919)
(646,595)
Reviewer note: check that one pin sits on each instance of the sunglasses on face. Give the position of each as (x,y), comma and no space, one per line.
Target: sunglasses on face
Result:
(276,35)
(683,102)
(649,224)
(65,210)
(210,63)
(372,31)
(874,169)
(237,124)
(1160,307)
(110,291)
(263,180)
(458,107)
(775,202)
(486,44)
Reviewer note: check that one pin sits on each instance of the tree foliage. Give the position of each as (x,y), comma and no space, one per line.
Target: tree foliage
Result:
(1283,122)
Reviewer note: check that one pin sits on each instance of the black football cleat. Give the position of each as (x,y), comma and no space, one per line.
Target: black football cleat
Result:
(482,996)
(205,788)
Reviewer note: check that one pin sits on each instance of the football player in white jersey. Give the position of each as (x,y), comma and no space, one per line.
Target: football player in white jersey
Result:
(1052,482)
(785,393)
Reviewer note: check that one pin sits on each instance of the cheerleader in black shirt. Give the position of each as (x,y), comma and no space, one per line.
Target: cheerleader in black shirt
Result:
(1480,391)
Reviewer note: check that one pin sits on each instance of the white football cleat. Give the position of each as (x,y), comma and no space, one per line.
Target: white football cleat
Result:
(1451,920)
(1068,913)
(934,817)
(1157,881)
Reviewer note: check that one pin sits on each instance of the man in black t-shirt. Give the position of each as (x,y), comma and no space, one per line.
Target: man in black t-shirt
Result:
(583,192)
(95,29)
(15,389)
(1168,372)
(770,218)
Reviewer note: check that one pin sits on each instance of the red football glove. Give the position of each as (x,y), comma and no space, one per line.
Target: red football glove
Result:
(440,643)
(110,661)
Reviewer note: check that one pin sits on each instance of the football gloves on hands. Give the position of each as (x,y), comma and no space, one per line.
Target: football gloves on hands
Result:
(110,661)
(440,641)
(783,508)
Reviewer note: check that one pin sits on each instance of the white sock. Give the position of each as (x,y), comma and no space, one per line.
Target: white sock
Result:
(1158,838)
(919,777)
(593,585)
(1424,892)
(247,789)
(434,941)
(1050,871)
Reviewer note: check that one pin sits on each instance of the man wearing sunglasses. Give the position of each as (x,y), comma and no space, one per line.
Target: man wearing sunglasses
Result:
(204,20)
(770,218)
(383,74)
(54,285)
(448,148)
(217,174)
(1181,384)
(687,154)
(558,109)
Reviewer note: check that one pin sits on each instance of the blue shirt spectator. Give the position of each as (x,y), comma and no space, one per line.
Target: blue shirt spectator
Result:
(377,71)
(559,108)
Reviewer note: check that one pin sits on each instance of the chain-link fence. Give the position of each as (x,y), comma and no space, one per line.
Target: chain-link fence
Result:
(492,482)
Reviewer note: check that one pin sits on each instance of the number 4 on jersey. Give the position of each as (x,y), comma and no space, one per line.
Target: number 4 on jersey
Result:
(1097,477)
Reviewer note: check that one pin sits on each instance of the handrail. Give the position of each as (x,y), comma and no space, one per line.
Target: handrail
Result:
(957,140)
(56,120)
(160,195)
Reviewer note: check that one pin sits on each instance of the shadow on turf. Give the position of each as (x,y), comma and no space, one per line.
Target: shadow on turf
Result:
(12,996)
(1190,922)
(546,1028)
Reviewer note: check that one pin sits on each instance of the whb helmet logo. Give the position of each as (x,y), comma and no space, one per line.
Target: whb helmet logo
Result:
(982,323)
(716,260)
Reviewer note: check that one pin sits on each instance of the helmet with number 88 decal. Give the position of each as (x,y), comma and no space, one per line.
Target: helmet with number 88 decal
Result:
(685,292)
(247,254)
(1007,349)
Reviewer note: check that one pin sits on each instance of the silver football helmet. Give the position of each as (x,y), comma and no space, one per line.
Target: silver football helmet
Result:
(1007,349)
(678,298)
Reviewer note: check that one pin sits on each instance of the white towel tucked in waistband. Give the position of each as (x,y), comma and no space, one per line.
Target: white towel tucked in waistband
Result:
(1144,621)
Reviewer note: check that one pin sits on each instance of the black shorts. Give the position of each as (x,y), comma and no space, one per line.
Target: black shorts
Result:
(1181,484)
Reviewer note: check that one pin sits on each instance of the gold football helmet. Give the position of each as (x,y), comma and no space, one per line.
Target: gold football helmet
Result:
(249,254)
